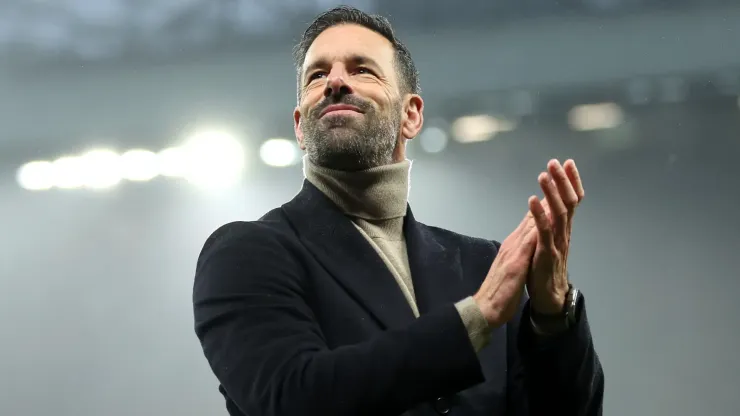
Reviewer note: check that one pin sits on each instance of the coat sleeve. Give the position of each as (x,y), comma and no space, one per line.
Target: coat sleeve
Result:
(253,317)
(558,375)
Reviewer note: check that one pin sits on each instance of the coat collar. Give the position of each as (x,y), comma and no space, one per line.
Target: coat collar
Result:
(335,242)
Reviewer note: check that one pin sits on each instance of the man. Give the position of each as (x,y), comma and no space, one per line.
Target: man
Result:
(341,303)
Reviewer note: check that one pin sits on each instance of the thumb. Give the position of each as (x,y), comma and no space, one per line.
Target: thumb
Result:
(522,228)
(528,223)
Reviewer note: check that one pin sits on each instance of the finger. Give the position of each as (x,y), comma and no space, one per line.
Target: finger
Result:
(518,230)
(521,230)
(575,178)
(557,207)
(527,225)
(565,188)
(528,240)
(548,211)
(542,221)
(546,207)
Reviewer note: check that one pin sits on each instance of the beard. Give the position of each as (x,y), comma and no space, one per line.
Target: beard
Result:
(350,142)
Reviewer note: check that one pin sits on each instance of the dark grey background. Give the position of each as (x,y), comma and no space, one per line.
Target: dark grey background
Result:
(95,286)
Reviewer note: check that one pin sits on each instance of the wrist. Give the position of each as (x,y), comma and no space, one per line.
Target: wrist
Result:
(488,312)
(552,305)
(550,324)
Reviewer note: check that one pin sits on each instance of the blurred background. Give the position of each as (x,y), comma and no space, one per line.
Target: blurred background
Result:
(131,129)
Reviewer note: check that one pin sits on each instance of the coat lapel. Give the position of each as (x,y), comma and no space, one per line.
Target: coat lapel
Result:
(436,268)
(335,242)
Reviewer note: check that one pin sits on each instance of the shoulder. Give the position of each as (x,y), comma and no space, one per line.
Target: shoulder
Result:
(269,233)
(248,256)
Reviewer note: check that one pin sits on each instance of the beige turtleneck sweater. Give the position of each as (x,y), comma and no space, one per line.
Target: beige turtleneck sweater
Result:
(375,200)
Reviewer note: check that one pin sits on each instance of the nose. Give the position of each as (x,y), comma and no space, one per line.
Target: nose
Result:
(336,84)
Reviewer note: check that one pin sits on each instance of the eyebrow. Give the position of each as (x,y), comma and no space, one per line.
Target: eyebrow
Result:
(354,59)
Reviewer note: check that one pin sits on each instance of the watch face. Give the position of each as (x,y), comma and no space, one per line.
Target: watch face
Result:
(573,296)
(574,306)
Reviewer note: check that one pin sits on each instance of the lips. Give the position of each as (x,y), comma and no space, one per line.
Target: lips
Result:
(339,107)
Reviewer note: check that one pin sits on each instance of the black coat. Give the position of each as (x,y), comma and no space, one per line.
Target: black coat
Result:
(298,315)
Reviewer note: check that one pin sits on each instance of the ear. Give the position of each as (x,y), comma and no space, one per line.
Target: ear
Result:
(298,128)
(413,119)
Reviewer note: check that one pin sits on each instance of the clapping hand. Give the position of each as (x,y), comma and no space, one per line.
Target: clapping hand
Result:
(547,281)
(536,253)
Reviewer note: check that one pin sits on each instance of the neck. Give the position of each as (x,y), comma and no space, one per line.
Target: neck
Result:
(378,193)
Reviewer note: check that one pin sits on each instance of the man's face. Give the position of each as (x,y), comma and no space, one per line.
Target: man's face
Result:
(351,114)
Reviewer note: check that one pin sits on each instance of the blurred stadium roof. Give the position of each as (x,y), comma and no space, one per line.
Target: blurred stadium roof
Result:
(101,29)
(542,60)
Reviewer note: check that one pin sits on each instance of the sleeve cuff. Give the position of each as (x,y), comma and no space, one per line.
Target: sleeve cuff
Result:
(544,330)
(530,341)
(475,323)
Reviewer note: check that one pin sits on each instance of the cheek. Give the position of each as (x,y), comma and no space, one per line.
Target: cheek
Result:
(313,92)
(390,101)
(310,101)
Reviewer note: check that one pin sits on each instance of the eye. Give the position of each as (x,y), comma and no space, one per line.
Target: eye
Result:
(363,70)
(316,75)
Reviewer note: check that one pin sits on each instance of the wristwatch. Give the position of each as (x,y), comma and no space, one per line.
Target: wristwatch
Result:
(547,324)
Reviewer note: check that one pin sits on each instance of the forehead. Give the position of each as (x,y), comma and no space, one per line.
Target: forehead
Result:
(341,42)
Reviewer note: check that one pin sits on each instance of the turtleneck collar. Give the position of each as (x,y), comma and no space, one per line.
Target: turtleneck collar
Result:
(379,193)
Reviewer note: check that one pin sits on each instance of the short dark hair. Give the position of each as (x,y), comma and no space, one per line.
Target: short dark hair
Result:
(340,15)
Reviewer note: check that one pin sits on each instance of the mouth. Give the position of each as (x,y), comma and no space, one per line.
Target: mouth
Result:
(340,109)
